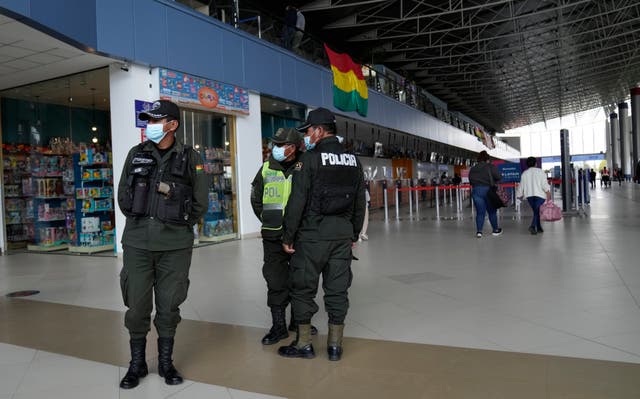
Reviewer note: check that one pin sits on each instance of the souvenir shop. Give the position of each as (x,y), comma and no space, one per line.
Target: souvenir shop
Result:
(58,183)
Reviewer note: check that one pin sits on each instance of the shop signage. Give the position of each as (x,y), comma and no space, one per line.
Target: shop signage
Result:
(192,91)
(510,172)
(142,106)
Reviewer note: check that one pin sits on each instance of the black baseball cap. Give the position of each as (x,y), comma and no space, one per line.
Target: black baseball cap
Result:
(286,135)
(161,109)
(319,116)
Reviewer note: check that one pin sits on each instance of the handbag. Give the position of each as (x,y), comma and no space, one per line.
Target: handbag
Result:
(550,212)
(497,197)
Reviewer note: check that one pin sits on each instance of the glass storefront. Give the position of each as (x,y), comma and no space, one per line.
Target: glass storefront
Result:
(56,160)
(57,190)
(211,134)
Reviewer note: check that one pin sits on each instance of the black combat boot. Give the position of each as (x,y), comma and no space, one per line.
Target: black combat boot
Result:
(334,341)
(302,346)
(278,329)
(165,363)
(293,326)
(137,365)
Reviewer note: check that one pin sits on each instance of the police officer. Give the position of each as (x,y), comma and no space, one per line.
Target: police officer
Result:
(322,222)
(163,193)
(270,191)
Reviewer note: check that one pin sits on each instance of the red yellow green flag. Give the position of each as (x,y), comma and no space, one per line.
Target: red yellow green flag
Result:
(349,88)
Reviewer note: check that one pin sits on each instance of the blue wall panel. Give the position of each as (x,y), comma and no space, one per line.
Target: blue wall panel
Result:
(232,59)
(262,68)
(308,82)
(168,34)
(289,79)
(115,27)
(150,34)
(194,46)
(17,6)
(76,19)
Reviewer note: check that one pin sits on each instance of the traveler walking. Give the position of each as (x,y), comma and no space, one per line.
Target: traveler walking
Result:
(482,176)
(535,188)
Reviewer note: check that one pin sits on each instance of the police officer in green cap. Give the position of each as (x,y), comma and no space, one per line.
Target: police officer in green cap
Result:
(322,221)
(163,192)
(269,194)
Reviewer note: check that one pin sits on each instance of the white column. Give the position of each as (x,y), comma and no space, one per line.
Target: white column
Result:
(625,140)
(248,161)
(635,128)
(615,142)
(126,86)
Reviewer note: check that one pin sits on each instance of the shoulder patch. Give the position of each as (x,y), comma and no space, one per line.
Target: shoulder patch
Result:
(298,166)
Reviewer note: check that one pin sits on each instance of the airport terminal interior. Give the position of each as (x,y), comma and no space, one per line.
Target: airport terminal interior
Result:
(434,313)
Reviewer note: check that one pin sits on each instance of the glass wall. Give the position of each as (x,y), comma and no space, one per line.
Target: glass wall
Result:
(211,134)
(56,159)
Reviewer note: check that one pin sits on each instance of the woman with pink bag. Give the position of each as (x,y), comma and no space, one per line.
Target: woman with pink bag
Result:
(535,187)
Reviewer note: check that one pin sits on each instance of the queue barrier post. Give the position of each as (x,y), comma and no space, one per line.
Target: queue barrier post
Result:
(437,202)
(410,203)
(386,200)
(397,204)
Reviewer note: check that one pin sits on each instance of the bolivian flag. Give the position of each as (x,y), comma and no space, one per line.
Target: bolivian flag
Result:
(349,88)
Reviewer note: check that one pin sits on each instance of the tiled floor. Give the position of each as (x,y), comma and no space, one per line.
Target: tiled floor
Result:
(484,303)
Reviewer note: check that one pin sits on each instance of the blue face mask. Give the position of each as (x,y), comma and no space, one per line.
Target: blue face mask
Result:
(155,132)
(308,144)
(278,153)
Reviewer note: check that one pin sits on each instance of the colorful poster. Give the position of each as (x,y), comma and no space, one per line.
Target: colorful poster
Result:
(192,91)
(141,106)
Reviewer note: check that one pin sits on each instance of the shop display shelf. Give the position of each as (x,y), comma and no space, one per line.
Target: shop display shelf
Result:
(47,248)
(90,249)
(223,237)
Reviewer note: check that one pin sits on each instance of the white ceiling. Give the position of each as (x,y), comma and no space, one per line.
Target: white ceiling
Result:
(28,55)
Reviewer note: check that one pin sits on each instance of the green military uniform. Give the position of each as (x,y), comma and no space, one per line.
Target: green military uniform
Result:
(157,244)
(324,216)
(269,194)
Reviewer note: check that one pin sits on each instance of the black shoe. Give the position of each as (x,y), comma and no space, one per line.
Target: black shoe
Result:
(170,374)
(305,352)
(137,366)
(533,231)
(540,230)
(165,363)
(293,327)
(133,376)
(278,329)
(334,352)
(274,336)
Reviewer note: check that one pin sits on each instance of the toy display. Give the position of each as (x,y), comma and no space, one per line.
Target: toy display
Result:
(218,221)
(94,202)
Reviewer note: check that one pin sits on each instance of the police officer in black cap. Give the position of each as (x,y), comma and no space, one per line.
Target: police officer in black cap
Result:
(270,191)
(322,221)
(163,192)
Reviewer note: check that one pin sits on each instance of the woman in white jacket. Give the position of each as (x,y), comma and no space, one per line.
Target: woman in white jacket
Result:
(535,187)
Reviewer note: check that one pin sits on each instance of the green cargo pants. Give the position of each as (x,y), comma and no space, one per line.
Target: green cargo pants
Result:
(276,272)
(332,259)
(164,274)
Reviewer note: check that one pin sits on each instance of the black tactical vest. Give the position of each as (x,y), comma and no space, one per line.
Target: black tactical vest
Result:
(167,195)
(334,188)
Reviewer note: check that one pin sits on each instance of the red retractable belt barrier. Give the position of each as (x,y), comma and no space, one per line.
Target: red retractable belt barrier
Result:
(450,187)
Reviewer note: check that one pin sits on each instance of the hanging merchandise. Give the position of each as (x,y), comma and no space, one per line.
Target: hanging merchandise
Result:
(93,227)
